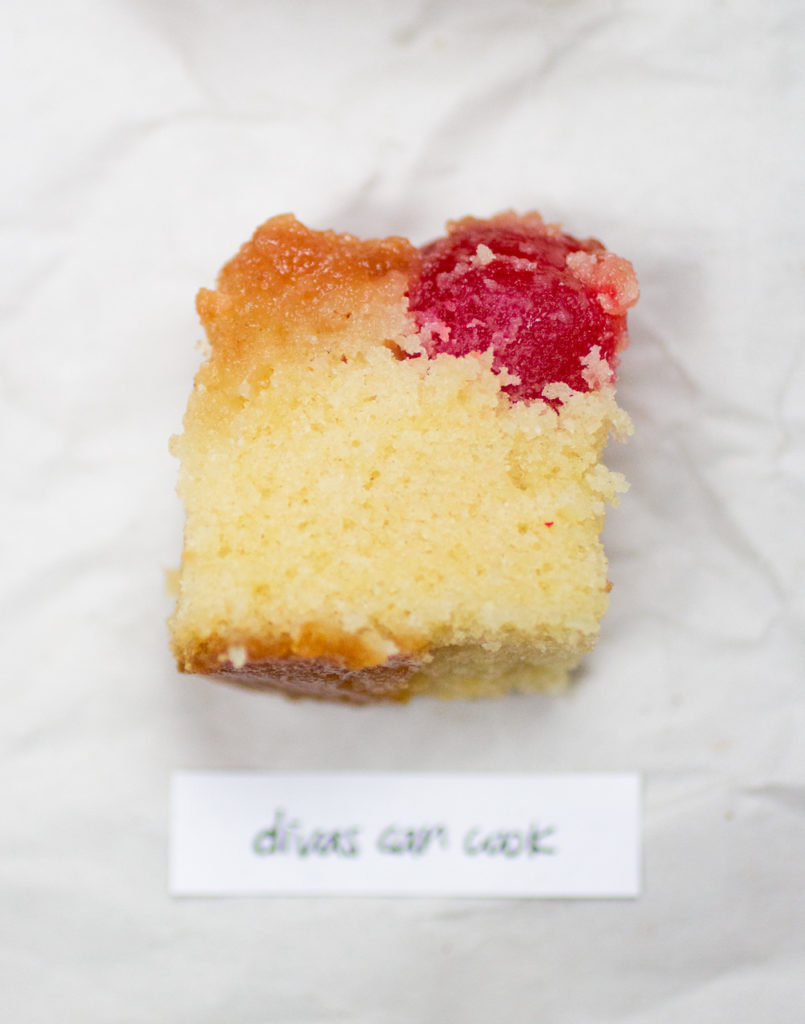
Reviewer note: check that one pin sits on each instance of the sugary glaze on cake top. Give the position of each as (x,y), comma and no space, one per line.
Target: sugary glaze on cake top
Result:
(371,514)
(539,298)
(545,303)
(293,288)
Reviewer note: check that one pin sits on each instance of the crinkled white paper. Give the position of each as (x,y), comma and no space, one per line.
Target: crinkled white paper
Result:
(143,142)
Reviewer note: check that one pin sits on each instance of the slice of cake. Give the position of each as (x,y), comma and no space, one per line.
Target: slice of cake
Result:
(391,461)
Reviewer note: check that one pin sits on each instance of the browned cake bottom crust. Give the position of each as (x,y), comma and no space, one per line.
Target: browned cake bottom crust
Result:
(322,680)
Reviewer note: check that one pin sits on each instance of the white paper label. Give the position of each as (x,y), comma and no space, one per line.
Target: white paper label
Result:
(378,834)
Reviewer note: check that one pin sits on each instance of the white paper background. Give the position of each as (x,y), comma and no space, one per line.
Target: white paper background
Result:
(143,142)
